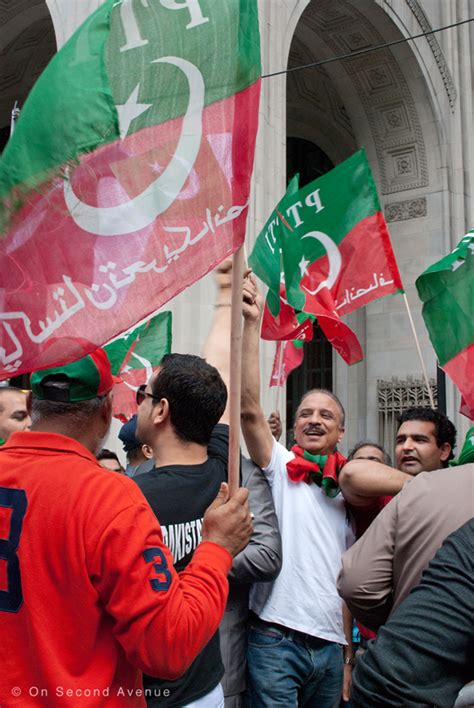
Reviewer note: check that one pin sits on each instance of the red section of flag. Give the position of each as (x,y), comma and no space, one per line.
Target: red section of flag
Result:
(285,325)
(64,283)
(460,369)
(368,269)
(287,357)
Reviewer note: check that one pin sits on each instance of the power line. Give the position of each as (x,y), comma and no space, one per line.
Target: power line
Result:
(361,52)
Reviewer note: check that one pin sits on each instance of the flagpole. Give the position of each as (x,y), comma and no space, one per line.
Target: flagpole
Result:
(425,375)
(280,364)
(238,267)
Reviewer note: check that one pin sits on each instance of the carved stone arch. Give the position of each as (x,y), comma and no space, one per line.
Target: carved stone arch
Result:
(27,43)
(373,89)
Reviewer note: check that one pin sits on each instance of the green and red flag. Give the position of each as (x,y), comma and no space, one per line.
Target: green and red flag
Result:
(447,292)
(339,252)
(134,356)
(332,238)
(128,174)
(281,321)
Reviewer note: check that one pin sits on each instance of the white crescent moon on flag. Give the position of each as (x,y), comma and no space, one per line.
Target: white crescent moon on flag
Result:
(141,211)
(334,260)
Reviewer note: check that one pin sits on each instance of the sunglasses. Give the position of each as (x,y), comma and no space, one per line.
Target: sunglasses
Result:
(142,394)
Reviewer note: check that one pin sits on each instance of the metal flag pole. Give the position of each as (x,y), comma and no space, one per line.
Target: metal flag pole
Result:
(423,368)
(238,268)
(280,364)
(14,117)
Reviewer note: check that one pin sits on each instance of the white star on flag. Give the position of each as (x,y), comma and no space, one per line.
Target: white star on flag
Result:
(156,167)
(303,264)
(130,110)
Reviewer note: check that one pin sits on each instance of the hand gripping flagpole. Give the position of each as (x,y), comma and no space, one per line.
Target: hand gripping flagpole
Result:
(238,268)
(423,368)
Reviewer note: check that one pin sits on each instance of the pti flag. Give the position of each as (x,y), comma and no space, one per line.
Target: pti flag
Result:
(334,245)
(134,356)
(447,292)
(127,177)
(338,250)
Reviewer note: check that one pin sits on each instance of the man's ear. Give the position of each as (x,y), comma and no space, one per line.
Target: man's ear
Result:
(341,434)
(147,451)
(106,409)
(161,411)
(445,451)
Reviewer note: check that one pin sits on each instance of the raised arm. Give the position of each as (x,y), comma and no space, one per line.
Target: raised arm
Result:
(256,430)
(361,481)
(216,350)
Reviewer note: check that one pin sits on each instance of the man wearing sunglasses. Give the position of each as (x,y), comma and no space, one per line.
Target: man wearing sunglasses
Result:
(183,417)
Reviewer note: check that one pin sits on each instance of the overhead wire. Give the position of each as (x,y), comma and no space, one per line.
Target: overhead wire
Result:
(368,50)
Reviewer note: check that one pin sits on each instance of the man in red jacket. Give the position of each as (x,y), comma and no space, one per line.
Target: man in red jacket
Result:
(88,595)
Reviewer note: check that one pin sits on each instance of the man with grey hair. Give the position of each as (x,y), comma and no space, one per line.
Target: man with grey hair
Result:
(89,580)
(295,654)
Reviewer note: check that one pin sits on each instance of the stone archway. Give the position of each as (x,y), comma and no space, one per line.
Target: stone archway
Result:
(382,102)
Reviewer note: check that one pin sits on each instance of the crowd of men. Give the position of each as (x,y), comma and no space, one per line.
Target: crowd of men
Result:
(151,584)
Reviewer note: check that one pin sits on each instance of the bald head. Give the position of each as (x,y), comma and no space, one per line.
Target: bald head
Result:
(13,411)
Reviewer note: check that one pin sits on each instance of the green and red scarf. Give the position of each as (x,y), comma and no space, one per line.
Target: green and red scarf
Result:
(323,470)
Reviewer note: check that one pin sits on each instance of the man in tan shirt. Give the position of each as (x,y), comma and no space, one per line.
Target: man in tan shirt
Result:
(380,570)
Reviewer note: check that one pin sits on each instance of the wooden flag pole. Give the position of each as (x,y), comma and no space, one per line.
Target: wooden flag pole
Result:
(425,375)
(238,268)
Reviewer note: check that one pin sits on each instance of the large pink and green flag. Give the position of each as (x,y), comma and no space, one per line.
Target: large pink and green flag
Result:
(128,174)
(134,356)
(447,292)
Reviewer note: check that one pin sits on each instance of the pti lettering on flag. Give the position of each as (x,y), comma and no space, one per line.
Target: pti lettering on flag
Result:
(134,357)
(127,177)
(447,292)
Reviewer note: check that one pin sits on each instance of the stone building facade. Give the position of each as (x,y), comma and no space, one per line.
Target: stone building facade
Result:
(410,105)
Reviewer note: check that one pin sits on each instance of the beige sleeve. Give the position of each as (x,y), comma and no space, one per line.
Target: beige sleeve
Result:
(366,578)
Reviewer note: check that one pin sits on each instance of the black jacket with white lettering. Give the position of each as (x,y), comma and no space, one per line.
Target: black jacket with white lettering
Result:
(179,496)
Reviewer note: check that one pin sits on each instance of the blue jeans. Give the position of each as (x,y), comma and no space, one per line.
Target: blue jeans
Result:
(284,671)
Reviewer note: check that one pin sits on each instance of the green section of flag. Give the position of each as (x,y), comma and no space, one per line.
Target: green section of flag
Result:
(71,109)
(447,292)
(229,59)
(143,346)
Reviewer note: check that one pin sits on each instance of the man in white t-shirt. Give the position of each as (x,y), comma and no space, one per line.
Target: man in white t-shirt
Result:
(295,654)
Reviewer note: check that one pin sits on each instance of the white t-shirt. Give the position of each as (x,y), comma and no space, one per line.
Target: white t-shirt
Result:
(315,532)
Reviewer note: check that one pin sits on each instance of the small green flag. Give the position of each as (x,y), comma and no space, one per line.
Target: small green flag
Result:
(134,356)
(447,292)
